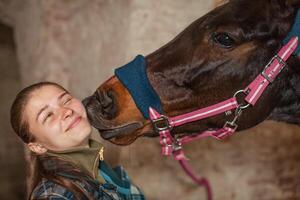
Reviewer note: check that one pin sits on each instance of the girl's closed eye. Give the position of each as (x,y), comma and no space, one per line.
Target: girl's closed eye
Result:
(47,116)
(67,100)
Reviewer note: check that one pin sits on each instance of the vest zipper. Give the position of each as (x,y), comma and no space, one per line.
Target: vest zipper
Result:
(101,156)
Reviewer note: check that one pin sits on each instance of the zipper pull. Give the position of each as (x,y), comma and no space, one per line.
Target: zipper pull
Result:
(101,156)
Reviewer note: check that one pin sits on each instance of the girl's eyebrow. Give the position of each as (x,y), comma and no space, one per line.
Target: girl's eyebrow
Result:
(46,106)
(62,95)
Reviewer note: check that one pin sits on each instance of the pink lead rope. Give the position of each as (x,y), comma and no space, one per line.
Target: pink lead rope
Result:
(173,146)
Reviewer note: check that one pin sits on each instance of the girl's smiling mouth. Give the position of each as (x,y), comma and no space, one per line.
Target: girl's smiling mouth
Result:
(74,123)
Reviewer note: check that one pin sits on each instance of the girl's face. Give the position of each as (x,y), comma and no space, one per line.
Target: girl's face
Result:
(56,119)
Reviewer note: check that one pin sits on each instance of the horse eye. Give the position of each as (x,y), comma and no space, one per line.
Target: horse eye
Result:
(223,39)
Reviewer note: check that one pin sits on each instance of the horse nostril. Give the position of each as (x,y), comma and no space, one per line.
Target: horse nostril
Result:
(105,98)
(107,102)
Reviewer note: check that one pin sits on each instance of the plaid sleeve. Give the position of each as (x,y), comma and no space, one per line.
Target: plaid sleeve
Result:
(119,180)
(135,192)
(49,190)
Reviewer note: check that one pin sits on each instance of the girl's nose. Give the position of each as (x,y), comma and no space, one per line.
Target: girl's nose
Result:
(66,113)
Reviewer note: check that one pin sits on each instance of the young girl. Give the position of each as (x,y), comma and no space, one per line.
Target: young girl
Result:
(68,164)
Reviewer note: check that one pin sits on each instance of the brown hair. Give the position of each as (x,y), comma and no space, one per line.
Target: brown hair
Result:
(36,171)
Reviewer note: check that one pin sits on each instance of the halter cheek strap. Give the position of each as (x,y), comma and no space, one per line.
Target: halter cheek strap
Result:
(253,92)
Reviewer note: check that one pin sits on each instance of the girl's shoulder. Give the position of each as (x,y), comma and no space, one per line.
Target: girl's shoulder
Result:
(47,189)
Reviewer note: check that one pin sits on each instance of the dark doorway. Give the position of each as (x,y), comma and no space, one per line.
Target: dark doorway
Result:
(12,162)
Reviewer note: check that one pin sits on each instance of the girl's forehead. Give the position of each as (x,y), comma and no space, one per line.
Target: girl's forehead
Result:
(48,88)
(42,97)
(46,93)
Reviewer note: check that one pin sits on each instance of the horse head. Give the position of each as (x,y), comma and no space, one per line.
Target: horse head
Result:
(217,55)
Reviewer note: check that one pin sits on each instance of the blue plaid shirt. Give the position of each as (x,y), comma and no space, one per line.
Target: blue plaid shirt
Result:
(117,186)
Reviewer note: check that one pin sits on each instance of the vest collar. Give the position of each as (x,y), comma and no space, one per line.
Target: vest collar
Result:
(83,157)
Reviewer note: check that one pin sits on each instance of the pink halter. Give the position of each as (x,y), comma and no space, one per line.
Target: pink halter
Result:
(173,146)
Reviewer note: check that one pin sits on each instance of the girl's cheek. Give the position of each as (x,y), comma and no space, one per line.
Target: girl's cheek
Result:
(78,106)
(50,125)
(57,127)
(54,123)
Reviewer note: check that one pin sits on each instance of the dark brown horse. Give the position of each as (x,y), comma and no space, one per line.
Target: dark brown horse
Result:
(217,55)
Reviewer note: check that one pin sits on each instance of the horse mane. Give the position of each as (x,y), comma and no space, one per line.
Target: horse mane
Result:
(259,19)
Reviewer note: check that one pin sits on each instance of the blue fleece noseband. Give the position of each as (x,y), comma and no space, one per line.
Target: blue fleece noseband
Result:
(134,77)
(295,32)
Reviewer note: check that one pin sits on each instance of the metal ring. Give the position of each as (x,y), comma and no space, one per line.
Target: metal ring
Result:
(241,106)
(239,91)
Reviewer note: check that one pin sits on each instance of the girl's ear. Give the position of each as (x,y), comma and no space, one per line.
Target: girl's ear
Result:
(36,148)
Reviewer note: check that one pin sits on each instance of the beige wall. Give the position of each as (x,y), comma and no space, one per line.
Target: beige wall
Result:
(78,43)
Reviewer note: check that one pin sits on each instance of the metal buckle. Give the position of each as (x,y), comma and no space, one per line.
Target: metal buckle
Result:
(232,124)
(162,120)
(280,60)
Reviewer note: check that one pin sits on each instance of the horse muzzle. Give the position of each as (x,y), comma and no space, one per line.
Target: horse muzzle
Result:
(112,111)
